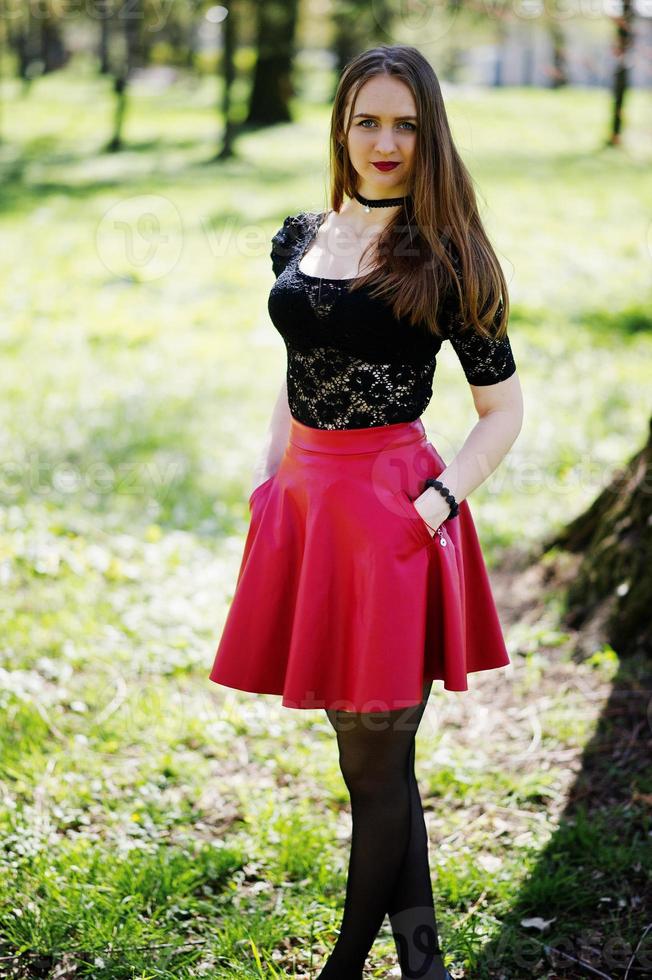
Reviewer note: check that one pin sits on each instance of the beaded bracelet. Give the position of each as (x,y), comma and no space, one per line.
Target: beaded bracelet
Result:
(445,492)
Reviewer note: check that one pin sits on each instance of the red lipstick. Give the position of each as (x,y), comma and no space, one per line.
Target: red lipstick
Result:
(385,166)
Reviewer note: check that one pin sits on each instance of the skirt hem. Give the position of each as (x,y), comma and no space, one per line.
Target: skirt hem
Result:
(343,597)
(320,703)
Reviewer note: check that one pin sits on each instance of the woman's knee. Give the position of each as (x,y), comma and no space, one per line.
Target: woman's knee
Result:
(368,769)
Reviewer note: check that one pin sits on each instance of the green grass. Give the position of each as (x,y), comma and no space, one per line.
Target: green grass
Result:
(152,824)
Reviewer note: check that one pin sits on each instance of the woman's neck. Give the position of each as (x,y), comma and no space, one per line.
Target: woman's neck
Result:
(362,220)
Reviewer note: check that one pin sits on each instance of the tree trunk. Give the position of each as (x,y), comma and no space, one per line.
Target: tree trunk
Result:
(359,24)
(276,22)
(104,15)
(227,67)
(558,41)
(53,51)
(500,48)
(132,19)
(622,47)
(20,43)
(611,589)
(23,40)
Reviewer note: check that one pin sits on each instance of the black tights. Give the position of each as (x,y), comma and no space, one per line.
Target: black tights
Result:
(388,865)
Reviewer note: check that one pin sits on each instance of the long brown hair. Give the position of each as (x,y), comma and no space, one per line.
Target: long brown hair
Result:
(435,251)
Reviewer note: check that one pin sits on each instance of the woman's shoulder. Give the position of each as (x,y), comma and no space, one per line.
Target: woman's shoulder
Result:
(294,225)
(290,234)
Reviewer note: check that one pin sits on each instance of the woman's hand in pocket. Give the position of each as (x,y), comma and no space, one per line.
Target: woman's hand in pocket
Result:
(261,475)
(433,509)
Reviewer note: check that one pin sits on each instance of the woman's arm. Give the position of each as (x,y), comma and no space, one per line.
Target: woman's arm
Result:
(275,439)
(500,411)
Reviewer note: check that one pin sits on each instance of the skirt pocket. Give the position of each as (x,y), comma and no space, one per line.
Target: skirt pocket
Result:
(416,522)
(254,493)
(339,599)
(441,535)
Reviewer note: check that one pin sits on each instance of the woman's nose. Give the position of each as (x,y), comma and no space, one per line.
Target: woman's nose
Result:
(386,142)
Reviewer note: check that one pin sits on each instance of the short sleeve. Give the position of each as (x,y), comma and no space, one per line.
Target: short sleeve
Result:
(484,360)
(284,242)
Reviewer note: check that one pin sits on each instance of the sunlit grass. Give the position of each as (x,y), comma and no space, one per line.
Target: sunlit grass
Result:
(142,806)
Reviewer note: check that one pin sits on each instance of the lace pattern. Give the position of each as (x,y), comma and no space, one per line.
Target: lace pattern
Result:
(484,360)
(339,392)
(348,371)
(286,239)
(290,243)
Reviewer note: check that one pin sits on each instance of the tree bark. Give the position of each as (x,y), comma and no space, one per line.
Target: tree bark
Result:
(612,586)
(53,50)
(359,24)
(622,47)
(22,38)
(276,22)
(132,21)
(227,68)
(104,16)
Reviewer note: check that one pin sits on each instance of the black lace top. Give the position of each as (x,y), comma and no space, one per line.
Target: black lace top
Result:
(351,363)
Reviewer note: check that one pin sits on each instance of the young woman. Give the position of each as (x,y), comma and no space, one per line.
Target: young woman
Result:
(362,579)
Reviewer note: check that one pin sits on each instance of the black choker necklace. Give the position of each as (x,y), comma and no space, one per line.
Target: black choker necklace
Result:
(383,202)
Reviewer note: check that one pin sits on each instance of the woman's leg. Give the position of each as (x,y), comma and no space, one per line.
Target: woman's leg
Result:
(411,907)
(375,753)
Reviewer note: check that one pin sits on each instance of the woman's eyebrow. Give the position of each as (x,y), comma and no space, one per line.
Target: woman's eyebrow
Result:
(370,115)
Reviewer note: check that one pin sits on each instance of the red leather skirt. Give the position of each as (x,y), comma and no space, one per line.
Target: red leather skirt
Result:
(343,598)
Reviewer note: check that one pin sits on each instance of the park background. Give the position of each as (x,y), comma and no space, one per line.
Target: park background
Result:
(151,823)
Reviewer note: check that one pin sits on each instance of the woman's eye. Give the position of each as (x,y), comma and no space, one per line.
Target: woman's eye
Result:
(411,125)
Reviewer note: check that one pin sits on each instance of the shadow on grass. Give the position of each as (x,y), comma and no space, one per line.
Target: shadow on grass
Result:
(632,320)
(21,191)
(591,888)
